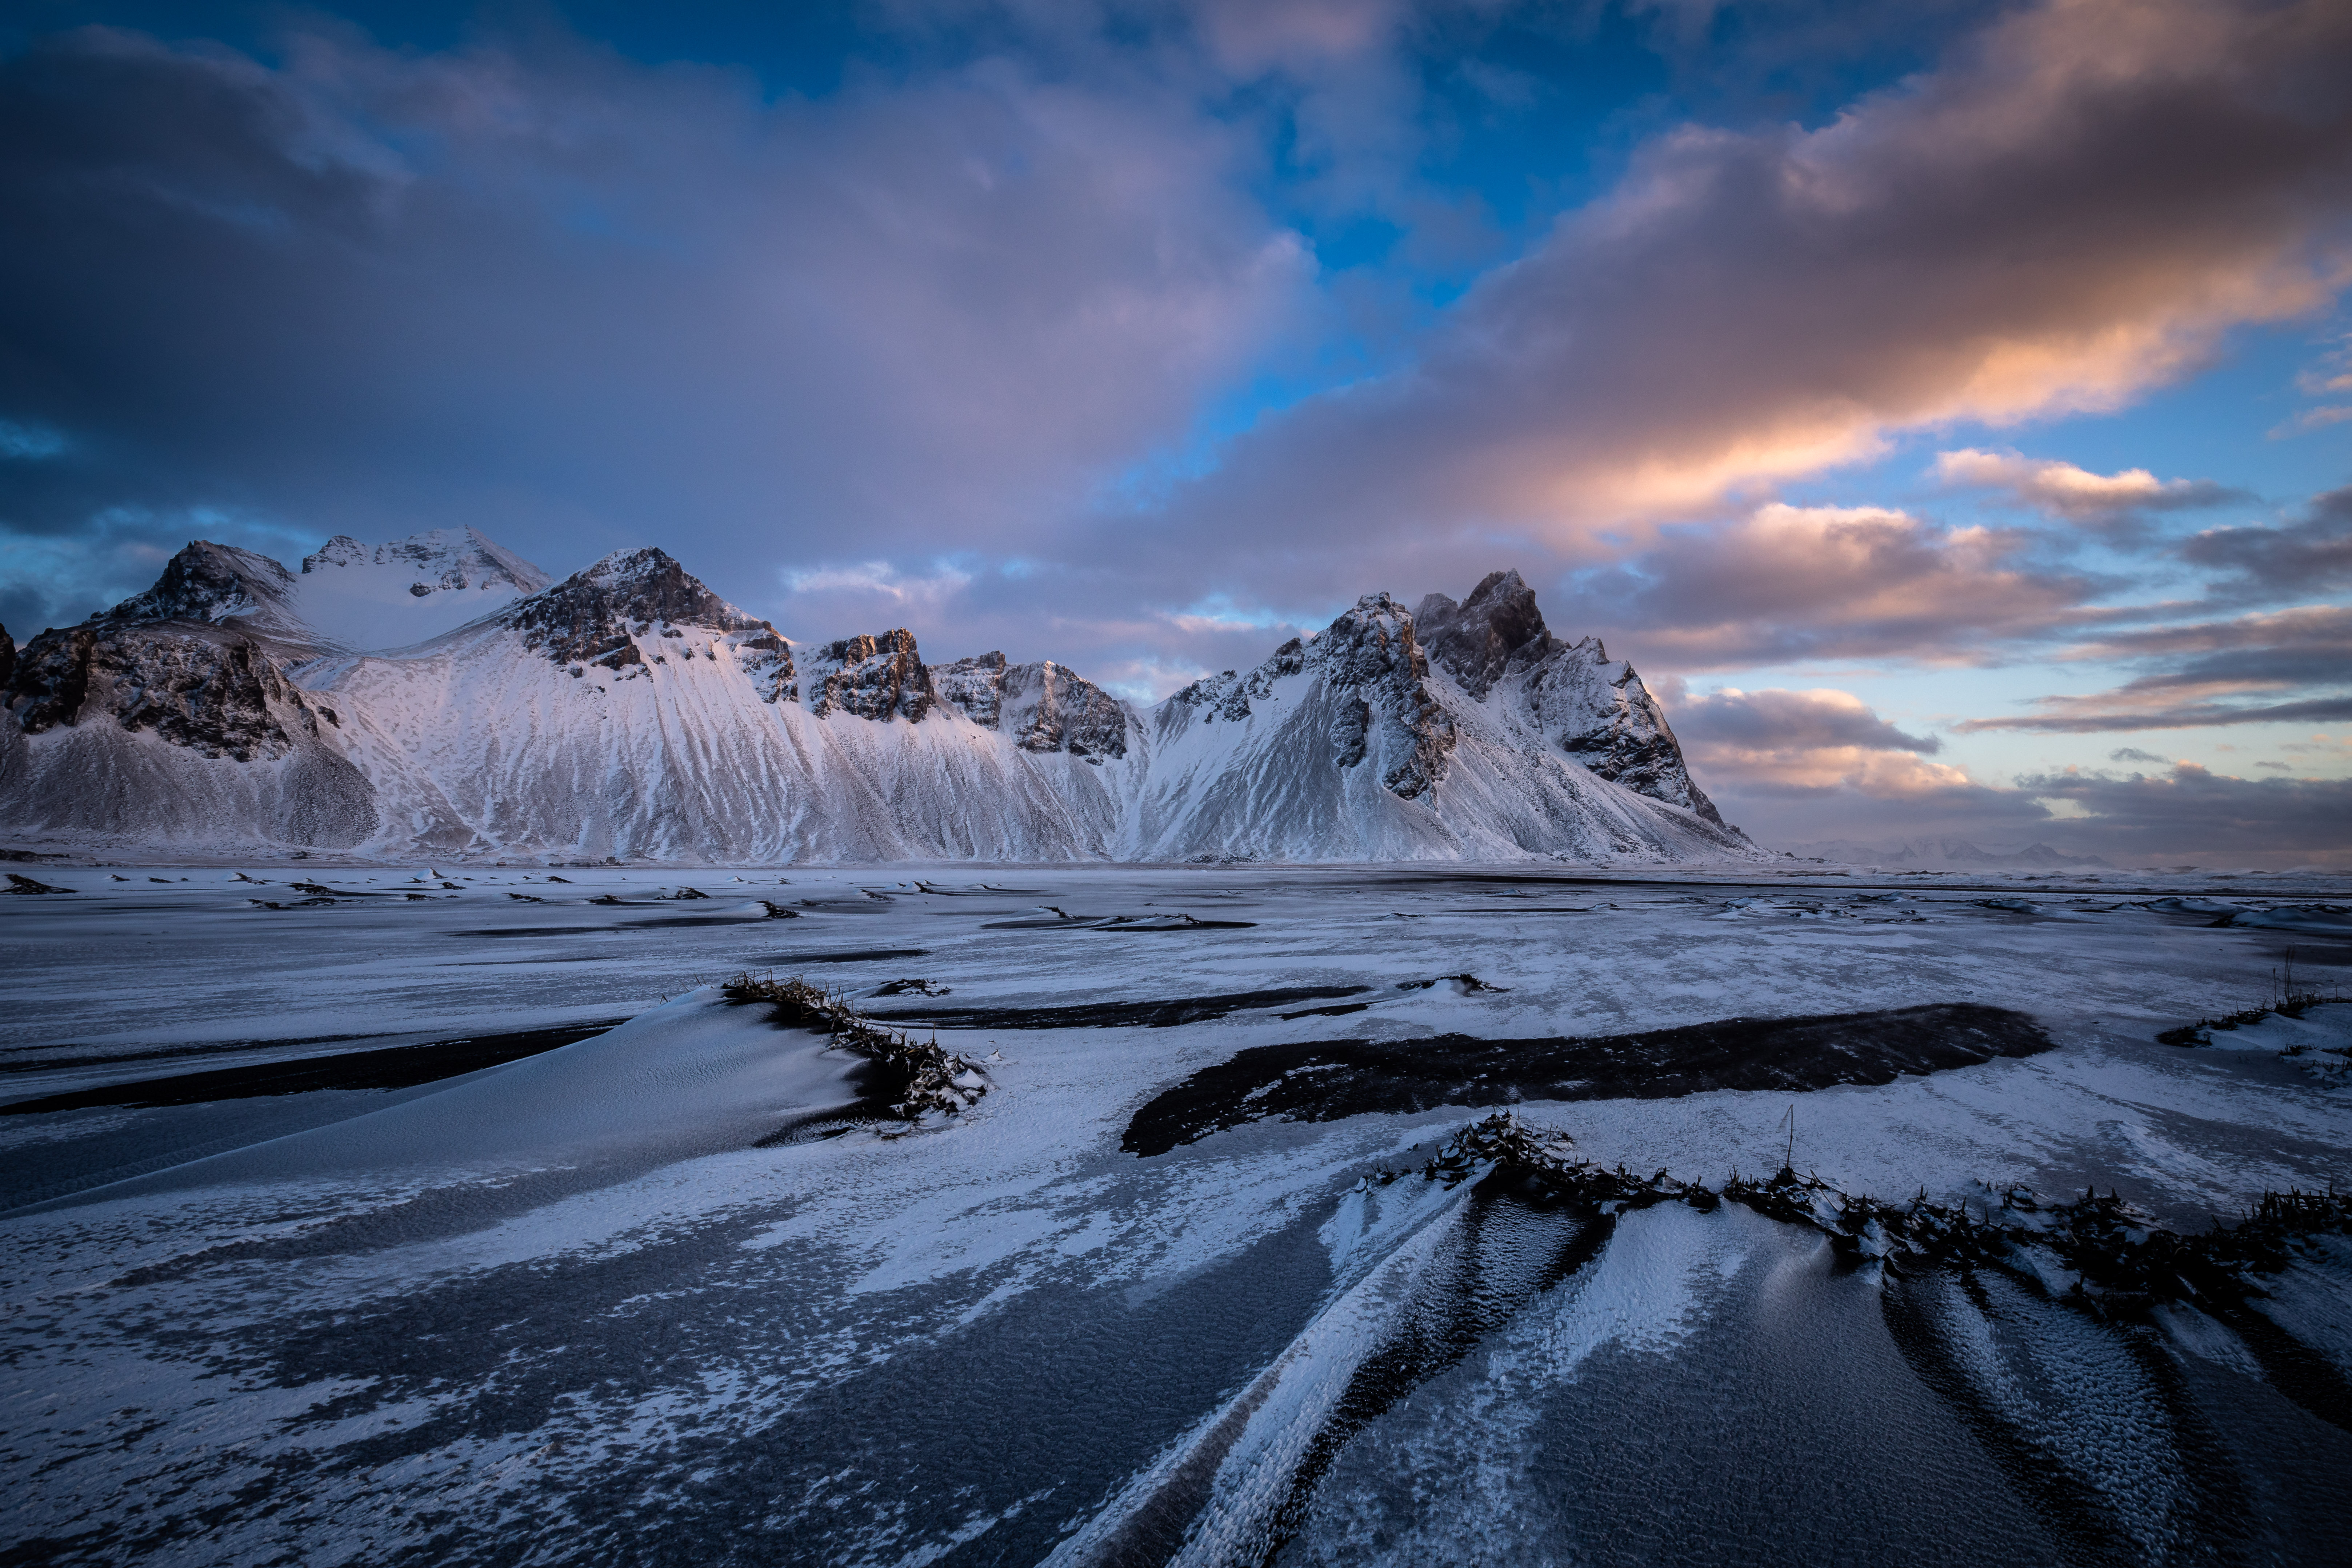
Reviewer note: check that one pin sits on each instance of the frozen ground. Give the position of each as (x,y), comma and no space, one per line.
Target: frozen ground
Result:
(643,1299)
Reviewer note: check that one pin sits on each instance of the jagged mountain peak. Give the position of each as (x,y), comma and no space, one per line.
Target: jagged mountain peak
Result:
(1497,630)
(1366,667)
(628,710)
(596,614)
(872,676)
(219,583)
(646,584)
(1043,706)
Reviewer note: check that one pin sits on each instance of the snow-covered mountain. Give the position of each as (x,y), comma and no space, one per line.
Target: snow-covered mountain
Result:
(439,696)
(401,594)
(1492,739)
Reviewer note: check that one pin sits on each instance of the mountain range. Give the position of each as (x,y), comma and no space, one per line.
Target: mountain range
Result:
(439,696)
(1943,854)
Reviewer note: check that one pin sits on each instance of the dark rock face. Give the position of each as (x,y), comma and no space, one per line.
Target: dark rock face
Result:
(7,658)
(213,582)
(873,677)
(1496,631)
(1047,708)
(212,690)
(1597,711)
(1374,676)
(768,660)
(1041,706)
(595,617)
(974,686)
(1604,718)
(1372,652)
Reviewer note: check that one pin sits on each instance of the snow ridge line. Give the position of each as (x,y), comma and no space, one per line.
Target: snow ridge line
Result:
(916,1077)
(2110,1259)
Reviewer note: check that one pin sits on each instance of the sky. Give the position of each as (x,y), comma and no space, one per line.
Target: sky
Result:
(1947,407)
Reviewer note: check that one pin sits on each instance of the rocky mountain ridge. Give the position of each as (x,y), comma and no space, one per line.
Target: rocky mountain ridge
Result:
(628,710)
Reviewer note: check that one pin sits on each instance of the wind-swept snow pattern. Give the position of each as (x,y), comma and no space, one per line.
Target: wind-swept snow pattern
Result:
(439,695)
(535,1287)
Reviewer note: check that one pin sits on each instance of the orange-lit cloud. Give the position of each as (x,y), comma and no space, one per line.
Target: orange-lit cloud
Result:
(1809,742)
(2069,211)
(2071,491)
(1790,581)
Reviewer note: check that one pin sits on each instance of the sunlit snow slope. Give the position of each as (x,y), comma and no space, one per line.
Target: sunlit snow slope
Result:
(438,696)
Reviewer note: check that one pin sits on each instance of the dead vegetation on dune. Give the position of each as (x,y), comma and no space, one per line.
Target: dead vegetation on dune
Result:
(908,1078)
(2095,1251)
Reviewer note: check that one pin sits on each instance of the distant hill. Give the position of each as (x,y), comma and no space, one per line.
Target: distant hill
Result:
(1941,854)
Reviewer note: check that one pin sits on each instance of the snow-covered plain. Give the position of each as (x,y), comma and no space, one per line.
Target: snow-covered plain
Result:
(604,1303)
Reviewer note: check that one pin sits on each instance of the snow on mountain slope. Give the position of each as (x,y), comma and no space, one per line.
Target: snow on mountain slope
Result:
(627,712)
(353,598)
(1549,693)
(1356,746)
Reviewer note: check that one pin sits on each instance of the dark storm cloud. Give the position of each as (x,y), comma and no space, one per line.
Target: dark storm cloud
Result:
(927,323)
(582,302)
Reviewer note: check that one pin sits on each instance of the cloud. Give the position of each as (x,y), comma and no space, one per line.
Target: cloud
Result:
(2191,812)
(2069,211)
(584,302)
(2134,754)
(1798,766)
(2308,651)
(1807,743)
(2312,555)
(2312,419)
(951,310)
(2182,813)
(2329,375)
(1778,719)
(30,443)
(1790,583)
(2076,494)
(2083,716)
